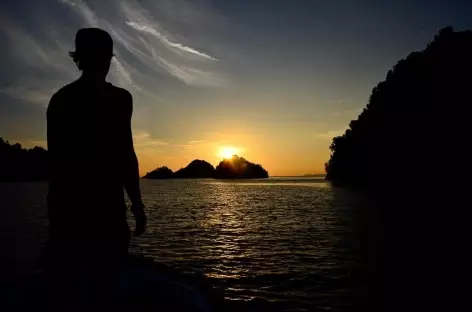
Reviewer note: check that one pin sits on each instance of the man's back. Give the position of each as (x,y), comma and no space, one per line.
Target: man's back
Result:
(88,127)
(92,161)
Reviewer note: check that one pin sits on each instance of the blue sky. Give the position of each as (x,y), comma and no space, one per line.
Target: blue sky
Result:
(275,79)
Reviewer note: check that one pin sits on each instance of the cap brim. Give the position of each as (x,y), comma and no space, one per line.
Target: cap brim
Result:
(73,54)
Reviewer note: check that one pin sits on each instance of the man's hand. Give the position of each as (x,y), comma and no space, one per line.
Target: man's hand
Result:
(140,217)
(140,225)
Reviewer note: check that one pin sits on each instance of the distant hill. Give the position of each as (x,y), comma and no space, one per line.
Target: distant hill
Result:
(20,164)
(314,175)
(196,169)
(233,168)
(239,168)
(159,173)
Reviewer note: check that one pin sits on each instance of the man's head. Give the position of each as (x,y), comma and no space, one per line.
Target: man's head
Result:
(93,50)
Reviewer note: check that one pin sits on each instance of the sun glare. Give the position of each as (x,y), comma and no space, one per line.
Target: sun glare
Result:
(227,151)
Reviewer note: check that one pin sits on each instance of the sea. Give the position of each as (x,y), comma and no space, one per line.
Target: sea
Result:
(285,244)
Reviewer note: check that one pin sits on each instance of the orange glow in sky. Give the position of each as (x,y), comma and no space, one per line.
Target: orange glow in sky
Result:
(227,151)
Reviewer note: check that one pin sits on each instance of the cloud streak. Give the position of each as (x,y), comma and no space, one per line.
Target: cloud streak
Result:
(331,134)
(31,51)
(123,73)
(143,139)
(166,41)
(192,76)
(83,9)
(36,96)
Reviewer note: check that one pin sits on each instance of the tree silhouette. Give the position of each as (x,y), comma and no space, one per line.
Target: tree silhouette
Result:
(413,120)
(19,164)
(409,149)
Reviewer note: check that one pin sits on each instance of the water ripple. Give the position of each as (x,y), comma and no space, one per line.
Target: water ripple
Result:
(289,244)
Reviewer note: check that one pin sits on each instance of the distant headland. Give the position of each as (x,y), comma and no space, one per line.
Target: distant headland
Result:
(232,168)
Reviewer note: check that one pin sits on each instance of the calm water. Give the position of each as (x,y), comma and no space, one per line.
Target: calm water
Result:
(289,243)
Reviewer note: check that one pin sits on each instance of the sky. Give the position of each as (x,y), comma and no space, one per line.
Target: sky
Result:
(275,80)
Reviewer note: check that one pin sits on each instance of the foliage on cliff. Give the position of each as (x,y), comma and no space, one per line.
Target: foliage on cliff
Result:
(414,121)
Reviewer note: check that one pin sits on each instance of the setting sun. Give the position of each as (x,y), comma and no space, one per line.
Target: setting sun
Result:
(227,151)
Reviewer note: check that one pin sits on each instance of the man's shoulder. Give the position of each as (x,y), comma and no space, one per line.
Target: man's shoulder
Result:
(122,99)
(67,90)
(120,92)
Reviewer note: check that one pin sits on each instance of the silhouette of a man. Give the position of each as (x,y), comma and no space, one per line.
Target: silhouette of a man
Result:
(92,161)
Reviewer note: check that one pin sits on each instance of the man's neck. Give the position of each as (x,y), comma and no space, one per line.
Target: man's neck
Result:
(93,77)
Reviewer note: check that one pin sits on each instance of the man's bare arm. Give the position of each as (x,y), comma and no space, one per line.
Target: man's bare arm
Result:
(51,136)
(131,166)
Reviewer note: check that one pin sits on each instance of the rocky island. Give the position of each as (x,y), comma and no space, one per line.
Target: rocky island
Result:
(197,169)
(231,168)
(239,168)
(160,173)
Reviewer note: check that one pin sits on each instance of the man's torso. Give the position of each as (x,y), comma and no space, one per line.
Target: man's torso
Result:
(86,129)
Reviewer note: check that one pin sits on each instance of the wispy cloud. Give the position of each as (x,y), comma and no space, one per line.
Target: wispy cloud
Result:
(338,101)
(36,96)
(331,134)
(350,112)
(84,10)
(167,42)
(124,73)
(142,138)
(193,76)
(194,142)
(32,50)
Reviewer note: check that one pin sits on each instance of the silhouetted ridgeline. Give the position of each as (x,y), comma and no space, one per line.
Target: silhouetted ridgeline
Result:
(160,173)
(239,168)
(196,169)
(19,164)
(234,168)
(415,122)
